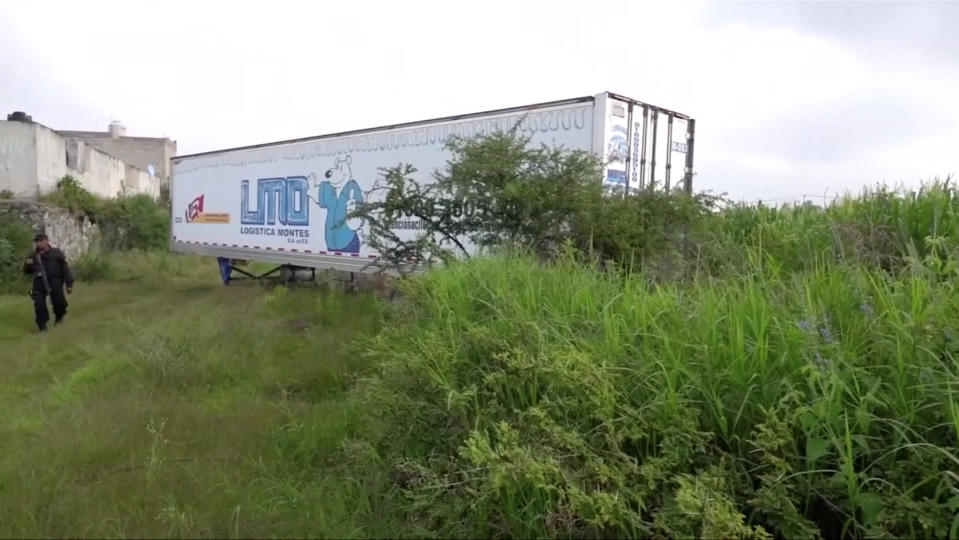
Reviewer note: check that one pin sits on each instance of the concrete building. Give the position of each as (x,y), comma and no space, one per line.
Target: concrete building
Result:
(33,158)
(144,153)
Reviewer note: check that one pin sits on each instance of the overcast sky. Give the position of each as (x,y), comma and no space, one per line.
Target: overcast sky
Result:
(791,99)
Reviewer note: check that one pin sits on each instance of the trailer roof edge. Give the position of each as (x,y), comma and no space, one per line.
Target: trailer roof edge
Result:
(452,118)
(621,97)
(506,110)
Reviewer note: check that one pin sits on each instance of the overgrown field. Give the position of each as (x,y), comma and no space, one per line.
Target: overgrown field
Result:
(179,407)
(758,373)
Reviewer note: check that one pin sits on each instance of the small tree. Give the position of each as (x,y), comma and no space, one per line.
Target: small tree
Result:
(496,189)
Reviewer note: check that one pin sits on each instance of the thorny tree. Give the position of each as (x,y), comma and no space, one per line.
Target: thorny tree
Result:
(496,189)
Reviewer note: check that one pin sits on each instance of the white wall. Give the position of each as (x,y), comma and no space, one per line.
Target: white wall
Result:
(140,182)
(18,158)
(101,174)
(137,151)
(33,158)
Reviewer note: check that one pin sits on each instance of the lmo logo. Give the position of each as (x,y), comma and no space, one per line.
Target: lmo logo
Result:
(283,200)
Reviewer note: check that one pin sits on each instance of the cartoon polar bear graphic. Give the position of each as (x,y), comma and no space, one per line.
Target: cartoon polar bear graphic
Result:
(340,195)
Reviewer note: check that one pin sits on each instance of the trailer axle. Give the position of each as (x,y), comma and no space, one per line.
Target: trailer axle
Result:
(227,268)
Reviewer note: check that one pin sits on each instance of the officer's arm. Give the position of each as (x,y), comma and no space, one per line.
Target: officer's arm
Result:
(67,273)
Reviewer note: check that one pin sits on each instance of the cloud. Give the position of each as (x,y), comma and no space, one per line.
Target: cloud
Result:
(789,97)
(834,131)
(910,31)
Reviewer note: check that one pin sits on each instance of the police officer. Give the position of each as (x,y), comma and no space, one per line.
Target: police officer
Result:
(50,272)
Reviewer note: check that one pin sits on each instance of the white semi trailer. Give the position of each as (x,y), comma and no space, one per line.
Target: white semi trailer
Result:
(286,202)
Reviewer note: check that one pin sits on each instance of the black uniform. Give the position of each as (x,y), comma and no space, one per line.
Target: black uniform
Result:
(58,273)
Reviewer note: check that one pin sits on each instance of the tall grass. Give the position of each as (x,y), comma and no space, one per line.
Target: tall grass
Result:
(881,227)
(810,393)
(542,400)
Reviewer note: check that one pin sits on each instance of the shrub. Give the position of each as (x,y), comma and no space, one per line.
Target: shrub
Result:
(496,190)
(15,242)
(92,267)
(74,197)
(165,199)
(126,222)
(135,222)
(6,194)
(649,229)
(8,261)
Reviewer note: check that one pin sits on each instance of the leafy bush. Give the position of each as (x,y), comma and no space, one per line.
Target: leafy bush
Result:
(126,222)
(165,199)
(74,197)
(8,262)
(135,222)
(650,230)
(92,267)
(6,194)
(496,190)
(15,241)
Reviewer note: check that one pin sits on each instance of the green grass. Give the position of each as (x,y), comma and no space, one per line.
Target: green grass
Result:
(179,407)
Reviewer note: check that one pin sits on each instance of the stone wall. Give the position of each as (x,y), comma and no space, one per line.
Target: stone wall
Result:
(75,236)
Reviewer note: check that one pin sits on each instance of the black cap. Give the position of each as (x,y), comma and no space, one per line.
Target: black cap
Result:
(39,237)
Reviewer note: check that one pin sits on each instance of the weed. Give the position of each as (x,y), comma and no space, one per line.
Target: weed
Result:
(15,238)
(92,267)
(154,458)
(179,522)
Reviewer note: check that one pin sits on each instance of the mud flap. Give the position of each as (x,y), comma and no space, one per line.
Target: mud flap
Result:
(226,269)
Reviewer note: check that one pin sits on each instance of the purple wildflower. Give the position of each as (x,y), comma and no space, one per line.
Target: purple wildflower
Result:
(820,362)
(826,335)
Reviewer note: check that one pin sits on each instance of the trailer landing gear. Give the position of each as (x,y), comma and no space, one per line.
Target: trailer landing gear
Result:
(288,272)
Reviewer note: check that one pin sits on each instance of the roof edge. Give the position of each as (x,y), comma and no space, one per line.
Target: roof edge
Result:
(507,110)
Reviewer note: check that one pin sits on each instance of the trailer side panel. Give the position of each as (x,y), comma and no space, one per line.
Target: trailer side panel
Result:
(287,202)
